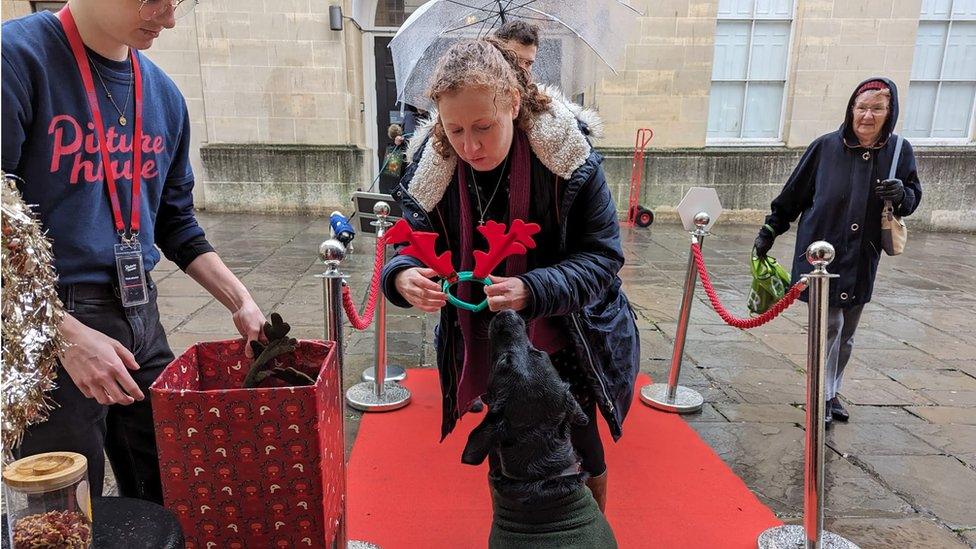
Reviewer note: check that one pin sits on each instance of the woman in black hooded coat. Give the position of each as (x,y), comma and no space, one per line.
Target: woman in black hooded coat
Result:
(838,190)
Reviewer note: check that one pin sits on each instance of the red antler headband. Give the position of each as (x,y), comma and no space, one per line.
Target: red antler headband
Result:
(501,244)
(421,246)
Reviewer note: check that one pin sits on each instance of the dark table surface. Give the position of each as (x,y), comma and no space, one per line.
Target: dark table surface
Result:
(125,523)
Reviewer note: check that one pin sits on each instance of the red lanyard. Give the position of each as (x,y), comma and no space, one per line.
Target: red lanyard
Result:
(78,48)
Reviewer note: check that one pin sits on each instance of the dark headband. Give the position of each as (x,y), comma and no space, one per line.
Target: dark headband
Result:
(872,85)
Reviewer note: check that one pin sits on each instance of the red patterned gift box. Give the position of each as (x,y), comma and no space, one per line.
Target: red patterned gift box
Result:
(250,467)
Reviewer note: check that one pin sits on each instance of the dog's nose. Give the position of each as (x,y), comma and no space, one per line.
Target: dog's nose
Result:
(507,321)
(508,314)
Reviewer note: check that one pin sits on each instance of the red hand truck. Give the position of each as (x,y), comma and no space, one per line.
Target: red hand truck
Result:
(637,214)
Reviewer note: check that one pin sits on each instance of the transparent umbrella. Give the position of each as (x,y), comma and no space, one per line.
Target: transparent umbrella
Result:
(575,35)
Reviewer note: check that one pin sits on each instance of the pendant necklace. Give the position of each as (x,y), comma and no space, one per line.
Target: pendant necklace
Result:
(483,210)
(122,119)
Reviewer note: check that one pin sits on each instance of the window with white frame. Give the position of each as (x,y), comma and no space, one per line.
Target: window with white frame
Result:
(942,90)
(752,43)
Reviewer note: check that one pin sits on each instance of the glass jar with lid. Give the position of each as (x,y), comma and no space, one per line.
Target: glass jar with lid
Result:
(47,501)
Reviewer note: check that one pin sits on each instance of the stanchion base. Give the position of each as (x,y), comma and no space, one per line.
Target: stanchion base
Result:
(356,544)
(393,373)
(362,396)
(794,537)
(686,401)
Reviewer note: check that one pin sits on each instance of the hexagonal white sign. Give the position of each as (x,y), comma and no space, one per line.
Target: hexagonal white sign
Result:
(699,199)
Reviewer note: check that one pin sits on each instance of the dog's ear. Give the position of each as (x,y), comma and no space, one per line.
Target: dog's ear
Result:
(574,413)
(483,438)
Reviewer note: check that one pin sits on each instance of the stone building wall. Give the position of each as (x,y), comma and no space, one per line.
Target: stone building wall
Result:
(263,73)
(273,94)
(747,180)
(837,44)
(665,80)
(14,8)
(266,73)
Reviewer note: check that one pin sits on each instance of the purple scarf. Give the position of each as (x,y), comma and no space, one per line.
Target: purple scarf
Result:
(477,352)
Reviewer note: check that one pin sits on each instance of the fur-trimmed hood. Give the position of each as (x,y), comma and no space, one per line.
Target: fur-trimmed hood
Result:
(559,138)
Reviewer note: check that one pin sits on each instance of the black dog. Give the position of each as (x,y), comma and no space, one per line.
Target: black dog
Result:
(538,490)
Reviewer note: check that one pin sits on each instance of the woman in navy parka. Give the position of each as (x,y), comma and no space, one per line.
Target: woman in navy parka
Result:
(501,148)
(838,190)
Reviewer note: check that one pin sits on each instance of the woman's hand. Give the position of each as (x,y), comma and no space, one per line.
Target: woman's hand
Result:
(250,323)
(891,189)
(764,242)
(507,293)
(99,365)
(416,286)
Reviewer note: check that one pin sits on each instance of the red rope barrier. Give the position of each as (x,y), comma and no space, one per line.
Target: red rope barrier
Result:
(743,323)
(362,322)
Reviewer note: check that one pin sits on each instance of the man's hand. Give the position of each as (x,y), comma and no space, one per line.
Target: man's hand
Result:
(99,365)
(250,323)
(416,286)
(507,293)
(211,273)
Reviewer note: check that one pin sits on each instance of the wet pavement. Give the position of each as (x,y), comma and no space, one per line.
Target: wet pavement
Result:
(902,473)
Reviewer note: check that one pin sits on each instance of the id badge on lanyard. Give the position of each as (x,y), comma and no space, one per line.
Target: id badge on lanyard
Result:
(132,276)
(128,253)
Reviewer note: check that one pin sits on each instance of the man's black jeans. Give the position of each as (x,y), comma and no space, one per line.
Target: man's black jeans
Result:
(82,425)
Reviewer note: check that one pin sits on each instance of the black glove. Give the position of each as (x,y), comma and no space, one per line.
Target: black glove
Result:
(890,189)
(764,242)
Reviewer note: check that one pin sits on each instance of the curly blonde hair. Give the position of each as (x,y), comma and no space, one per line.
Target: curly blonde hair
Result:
(485,63)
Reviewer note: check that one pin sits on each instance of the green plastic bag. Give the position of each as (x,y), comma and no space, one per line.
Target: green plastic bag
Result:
(769,284)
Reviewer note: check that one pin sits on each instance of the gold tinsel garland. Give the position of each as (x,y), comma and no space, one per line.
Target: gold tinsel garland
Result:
(32,313)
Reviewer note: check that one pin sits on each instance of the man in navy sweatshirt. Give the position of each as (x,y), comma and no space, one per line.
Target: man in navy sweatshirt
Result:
(91,126)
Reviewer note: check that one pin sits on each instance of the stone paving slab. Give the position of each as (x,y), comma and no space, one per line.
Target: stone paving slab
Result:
(762,386)
(950,398)
(884,439)
(883,533)
(956,440)
(946,346)
(880,392)
(965,415)
(939,484)
(771,455)
(904,357)
(891,472)
(761,413)
(895,415)
(943,380)
(731,354)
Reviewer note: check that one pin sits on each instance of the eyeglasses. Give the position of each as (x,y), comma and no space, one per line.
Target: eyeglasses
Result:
(151,9)
(876,111)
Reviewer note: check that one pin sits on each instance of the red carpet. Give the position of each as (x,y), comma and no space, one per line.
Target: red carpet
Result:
(667,488)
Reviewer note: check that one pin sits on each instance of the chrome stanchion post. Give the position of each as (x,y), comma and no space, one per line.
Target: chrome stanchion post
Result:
(811,534)
(381,394)
(671,397)
(332,252)
(393,372)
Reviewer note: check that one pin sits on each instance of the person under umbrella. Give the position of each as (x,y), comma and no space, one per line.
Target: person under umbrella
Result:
(522,38)
(838,190)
